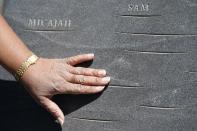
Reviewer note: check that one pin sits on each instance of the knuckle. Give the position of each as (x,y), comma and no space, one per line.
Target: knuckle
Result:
(79,87)
(78,79)
(70,59)
(97,80)
(66,60)
(89,71)
(70,69)
(76,71)
(72,77)
(56,90)
(75,58)
(55,111)
(57,86)
(83,89)
(59,90)
(82,70)
(79,70)
(60,87)
(82,80)
(94,72)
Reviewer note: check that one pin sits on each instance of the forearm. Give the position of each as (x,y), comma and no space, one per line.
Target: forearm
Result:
(13,51)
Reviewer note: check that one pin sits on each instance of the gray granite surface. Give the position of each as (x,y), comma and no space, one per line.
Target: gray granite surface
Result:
(148,47)
(1,6)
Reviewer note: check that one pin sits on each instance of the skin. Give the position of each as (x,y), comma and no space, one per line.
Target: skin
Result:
(49,77)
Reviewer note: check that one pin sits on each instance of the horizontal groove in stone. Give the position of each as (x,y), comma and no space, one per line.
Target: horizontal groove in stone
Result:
(161,108)
(154,34)
(96,120)
(191,72)
(55,31)
(156,52)
(139,16)
(124,86)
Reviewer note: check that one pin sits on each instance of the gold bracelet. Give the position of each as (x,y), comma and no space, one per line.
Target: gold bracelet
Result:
(30,61)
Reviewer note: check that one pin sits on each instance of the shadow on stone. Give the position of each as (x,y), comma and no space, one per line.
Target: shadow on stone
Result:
(70,103)
(21,113)
(85,64)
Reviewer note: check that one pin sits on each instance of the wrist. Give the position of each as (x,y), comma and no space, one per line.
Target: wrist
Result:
(33,72)
(29,62)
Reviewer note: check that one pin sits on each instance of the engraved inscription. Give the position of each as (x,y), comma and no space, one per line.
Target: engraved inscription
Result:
(50,23)
(138,7)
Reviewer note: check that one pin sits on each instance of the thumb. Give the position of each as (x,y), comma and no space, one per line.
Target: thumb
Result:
(54,109)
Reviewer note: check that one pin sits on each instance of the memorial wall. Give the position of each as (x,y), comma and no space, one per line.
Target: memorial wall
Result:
(148,47)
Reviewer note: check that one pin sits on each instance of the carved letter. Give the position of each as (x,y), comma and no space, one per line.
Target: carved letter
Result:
(136,8)
(130,7)
(60,23)
(55,24)
(32,22)
(69,23)
(50,23)
(40,22)
(145,7)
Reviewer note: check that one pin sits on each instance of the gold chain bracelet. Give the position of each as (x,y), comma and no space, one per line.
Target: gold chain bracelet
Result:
(30,61)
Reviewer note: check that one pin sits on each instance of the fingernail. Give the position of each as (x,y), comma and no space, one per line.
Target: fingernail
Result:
(102,72)
(100,87)
(60,121)
(106,79)
(91,55)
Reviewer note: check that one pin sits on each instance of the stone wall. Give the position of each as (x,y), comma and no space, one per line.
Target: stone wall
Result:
(148,47)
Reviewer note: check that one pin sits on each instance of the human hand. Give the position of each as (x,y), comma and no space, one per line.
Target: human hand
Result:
(49,77)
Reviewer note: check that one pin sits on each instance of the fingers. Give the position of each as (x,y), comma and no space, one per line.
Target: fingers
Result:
(79,80)
(89,80)
(88,71)
(79,59)
(53,108)
(83,89)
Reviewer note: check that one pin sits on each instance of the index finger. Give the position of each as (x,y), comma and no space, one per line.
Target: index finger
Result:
(79,59)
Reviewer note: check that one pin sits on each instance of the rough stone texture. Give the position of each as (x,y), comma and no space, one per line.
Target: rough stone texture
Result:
(151,57)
